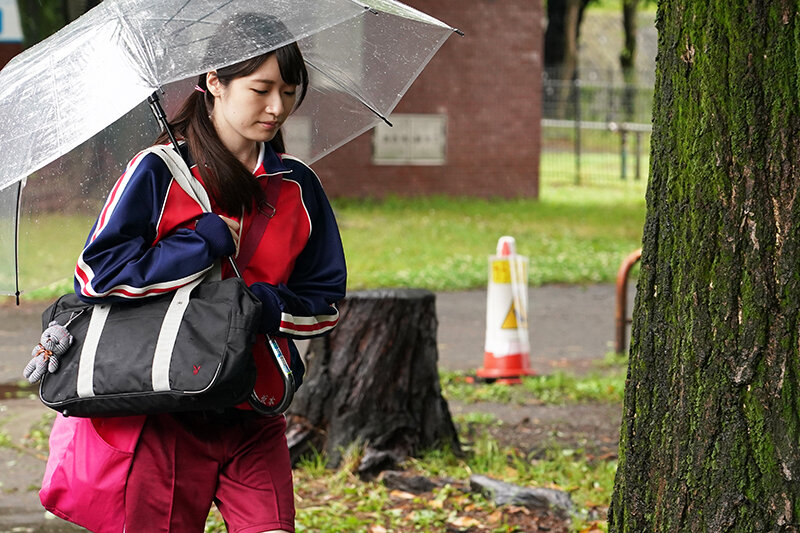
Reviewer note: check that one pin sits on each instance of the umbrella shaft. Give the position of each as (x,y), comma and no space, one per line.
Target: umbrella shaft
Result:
(158,111)
(161,117)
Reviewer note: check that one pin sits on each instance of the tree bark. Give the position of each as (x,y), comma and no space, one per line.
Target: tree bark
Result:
(374,380)
(561,36)
(627,58)
(561,48)
(711,424)
(41,19)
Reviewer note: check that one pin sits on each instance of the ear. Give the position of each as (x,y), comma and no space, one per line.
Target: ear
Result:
(213,83)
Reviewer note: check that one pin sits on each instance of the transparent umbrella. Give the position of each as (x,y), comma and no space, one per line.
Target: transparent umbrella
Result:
(74,107)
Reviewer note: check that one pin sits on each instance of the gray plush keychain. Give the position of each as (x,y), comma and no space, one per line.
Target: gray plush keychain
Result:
(55,341)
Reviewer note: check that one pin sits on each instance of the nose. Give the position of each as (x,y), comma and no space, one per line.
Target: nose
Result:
(274,104)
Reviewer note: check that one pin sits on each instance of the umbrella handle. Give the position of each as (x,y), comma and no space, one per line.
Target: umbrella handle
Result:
(288,384)
(283,367)
(161,117)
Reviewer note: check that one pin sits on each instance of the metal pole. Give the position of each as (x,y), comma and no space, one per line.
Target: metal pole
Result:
(638,174)
(623,134)
(610,114)
(621,312)
(576,89)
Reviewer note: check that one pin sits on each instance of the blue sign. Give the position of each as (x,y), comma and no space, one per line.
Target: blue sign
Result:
(10,26)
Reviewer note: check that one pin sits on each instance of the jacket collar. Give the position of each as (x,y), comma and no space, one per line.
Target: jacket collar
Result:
(271,163)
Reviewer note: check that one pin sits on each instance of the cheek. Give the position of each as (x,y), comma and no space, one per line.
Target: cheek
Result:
(241,110)
(288,104)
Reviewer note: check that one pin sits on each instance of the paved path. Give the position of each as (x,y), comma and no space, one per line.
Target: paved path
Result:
(570,326)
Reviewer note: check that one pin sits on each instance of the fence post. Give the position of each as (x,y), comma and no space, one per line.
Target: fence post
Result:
(576,90)
(638,147)
(623,134)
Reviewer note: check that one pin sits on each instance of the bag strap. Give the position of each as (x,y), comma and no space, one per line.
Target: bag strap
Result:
(262,215)
(265,209)
(182,175)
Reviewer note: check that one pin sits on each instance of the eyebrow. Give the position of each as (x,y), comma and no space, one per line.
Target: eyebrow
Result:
(272,82)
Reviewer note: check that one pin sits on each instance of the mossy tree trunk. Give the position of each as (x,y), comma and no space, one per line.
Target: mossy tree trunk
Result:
(710,437)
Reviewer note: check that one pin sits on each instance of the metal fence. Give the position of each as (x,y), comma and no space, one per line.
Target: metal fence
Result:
(595,130)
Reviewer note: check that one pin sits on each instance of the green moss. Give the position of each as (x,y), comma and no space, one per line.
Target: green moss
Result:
(719,293)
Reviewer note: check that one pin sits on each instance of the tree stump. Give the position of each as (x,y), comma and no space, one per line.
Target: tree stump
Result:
(374,381)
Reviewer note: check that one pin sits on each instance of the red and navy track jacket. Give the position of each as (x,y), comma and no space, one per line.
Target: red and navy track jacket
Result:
(151,238)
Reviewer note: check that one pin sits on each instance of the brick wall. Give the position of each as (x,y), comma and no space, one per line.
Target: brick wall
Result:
(488,84)
(7,51)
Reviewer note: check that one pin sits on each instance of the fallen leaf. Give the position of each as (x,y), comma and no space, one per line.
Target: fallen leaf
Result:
(592,527)
(377,528)
(464,521)
(402,495)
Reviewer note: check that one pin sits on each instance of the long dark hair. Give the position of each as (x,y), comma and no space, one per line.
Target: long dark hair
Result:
(229,183)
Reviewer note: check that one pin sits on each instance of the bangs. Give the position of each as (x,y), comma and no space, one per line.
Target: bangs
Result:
(293,68)
(290,63)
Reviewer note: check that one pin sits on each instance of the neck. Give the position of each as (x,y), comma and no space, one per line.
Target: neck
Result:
(244,150)
(248,156)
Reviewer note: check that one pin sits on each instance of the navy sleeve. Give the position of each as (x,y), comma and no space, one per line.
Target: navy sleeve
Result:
(121,261)
(306,305)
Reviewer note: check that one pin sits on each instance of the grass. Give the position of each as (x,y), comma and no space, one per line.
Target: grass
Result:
(50,244)
(555,389)
(596,168)
(570,235)
(337,501)
(615,6)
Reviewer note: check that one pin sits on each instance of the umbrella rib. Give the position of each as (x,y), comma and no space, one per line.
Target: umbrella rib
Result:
(377,113)
(16,243)
(199,19)
(170,19)
(358,97)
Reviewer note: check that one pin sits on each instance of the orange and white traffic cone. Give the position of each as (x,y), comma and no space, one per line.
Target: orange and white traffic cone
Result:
(507,348)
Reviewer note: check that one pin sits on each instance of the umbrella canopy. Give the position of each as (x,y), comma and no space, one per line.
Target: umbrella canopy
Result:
(74,106)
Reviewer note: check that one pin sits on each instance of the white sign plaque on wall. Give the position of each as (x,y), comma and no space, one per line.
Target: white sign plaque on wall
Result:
(414,140)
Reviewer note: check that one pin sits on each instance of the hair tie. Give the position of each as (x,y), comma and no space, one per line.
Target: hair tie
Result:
(199,89)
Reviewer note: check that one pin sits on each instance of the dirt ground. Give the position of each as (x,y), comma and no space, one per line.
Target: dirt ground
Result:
(531,429)
(571,328)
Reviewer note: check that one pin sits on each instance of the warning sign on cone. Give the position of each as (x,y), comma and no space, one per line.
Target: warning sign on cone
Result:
(507,348)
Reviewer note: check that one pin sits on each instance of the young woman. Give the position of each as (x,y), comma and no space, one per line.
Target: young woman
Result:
(151,238)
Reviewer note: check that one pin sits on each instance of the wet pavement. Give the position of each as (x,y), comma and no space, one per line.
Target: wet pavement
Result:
(571,327)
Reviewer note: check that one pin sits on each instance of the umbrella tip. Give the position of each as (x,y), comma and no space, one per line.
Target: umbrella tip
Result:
(16,294)
(459,32)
